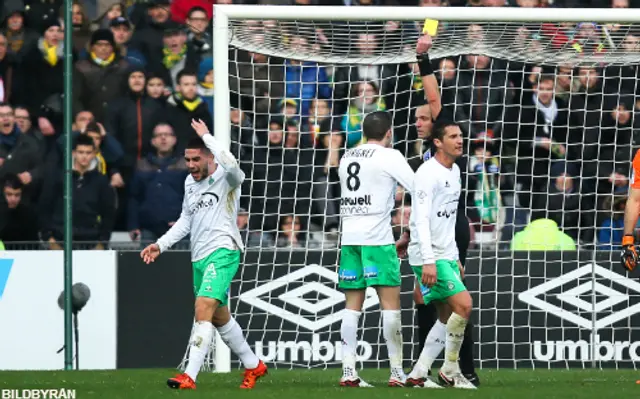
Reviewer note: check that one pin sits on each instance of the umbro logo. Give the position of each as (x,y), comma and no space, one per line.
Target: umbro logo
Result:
(296,292)
(605,309)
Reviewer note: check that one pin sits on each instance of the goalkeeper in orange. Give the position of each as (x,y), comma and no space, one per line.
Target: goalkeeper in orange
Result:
(631,213)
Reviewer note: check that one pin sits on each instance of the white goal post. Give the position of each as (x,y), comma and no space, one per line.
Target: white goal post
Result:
(273,304)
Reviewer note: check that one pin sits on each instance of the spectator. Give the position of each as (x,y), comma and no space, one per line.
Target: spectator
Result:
(481,96)
(325,210)
(611,229)
(292,234)
(364,100)
(258,79)
(16,33)
(176,55)
(23,121)
(198,37)
(157,188)
(252,239)
(585,122)
(19,153)
(618,133)
(99,80)
(566,83)
(484,203)
(108,153)
(131,120)
(9,73)
(93,203)
(563,202)
(205,82)
(115,11)
(538,132)
(43,66)
(306,80)
(181,10)
(157,90)
(18,221)
(319,111)
(542,235)
(122,32)
(186,105)
(149,39)
(384,76)
(81,25)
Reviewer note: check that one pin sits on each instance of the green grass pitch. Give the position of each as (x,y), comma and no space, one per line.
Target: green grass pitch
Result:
(322,384)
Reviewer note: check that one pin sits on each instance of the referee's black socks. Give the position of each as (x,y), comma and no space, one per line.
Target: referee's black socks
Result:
(427,316)
(426,319)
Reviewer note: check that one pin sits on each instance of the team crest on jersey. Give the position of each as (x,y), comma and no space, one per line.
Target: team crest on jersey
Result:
(450,286)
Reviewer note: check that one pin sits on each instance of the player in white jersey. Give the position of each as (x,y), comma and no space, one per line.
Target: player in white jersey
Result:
(433,253)
(369,175)
(209,213)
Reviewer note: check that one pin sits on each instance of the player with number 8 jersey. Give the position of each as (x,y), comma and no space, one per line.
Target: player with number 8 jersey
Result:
(369,175)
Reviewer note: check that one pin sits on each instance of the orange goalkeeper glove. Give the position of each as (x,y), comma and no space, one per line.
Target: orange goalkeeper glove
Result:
(629,256)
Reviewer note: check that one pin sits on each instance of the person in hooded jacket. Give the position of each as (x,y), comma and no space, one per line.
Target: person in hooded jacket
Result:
(131,119)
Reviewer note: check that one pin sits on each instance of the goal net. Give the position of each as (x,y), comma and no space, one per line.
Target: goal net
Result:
(548,112)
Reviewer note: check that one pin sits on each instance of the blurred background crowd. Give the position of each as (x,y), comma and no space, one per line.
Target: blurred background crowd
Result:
(548,149)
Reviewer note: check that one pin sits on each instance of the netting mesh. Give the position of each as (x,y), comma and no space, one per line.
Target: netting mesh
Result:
(548,113)
(393,42)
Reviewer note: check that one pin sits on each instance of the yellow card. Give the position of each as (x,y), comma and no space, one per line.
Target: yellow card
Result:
(430,27)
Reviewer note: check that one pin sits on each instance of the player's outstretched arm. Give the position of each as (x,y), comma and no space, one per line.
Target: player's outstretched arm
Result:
(631,213)
(178,231)
(429,81)
(235,176)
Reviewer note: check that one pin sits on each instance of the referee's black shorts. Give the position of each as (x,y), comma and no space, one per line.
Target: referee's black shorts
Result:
(463,236)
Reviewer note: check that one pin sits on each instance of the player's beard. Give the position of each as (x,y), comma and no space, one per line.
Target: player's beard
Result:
(204,172)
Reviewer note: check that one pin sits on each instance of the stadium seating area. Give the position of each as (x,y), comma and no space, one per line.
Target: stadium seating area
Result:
(541,142)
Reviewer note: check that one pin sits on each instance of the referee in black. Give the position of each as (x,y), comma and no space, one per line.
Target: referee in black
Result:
(425,116)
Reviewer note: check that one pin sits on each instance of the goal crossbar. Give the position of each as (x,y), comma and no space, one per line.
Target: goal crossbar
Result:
(458,14)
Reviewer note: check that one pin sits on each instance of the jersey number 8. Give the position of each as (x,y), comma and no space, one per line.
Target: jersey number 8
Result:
(353,181)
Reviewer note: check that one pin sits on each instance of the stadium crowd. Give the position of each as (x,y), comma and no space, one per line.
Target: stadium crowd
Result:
(546,147)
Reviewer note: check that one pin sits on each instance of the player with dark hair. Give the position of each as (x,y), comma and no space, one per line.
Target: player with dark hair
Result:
(426,116)
(369,174)
(433,255)
(209,213)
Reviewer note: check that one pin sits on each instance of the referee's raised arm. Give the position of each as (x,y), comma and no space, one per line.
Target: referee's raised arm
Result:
(429,81)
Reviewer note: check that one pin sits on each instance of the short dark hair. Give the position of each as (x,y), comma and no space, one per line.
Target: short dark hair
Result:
(83,140)
(13,182)
(197,8)
(376,125)
(186,72)
(196,143)
(546,77)
(92,127)
(440,127)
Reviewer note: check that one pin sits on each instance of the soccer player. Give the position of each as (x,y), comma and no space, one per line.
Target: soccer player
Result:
(209,212)
(369,175)
(427,316)
(629,255)
(433,253)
